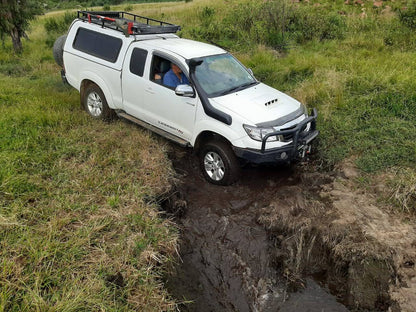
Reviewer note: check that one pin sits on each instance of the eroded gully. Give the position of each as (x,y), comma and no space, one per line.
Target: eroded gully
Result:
(226,262)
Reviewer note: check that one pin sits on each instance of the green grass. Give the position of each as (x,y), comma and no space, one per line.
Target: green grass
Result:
(74,212)
(74,195)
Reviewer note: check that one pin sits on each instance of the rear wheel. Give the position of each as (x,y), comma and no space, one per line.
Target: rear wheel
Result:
(218,163)
(95,103)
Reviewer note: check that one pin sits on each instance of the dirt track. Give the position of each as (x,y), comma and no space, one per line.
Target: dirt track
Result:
(254,246)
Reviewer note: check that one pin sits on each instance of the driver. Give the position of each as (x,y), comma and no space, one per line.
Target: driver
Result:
(174,77)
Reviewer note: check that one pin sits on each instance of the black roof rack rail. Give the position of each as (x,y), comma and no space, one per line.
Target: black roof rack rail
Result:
(128,23)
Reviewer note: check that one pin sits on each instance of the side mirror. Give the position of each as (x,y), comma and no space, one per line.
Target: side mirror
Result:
(185,90)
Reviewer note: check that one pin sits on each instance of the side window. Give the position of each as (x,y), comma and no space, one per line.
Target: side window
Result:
(100,45)
(167,73)
(137,62)
(160,66)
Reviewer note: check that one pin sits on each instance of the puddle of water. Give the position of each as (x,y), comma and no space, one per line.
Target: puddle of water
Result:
(312,299)
(226,263)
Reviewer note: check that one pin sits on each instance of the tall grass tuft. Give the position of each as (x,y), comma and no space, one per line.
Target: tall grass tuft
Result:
(403,185)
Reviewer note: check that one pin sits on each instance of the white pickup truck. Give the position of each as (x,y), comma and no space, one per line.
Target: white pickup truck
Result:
(193,93)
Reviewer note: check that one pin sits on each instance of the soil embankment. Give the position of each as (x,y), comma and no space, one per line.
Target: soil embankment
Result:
(256,245)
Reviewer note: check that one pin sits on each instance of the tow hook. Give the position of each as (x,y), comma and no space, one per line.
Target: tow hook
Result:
(304,150)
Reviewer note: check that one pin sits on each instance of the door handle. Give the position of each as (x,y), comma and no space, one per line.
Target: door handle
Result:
(150,90)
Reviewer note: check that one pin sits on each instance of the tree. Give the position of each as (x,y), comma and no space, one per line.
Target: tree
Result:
(15,16)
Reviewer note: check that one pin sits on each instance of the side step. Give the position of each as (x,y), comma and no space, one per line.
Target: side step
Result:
(161,132)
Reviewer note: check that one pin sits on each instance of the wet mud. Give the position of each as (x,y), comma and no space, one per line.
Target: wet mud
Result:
(232,257)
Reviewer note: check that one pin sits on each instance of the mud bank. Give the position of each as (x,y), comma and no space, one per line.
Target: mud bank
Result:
(256,245)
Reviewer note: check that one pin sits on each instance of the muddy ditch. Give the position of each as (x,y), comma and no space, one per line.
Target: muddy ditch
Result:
(285,239)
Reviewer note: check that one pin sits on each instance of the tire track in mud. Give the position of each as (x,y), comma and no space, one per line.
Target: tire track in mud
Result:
(226,259)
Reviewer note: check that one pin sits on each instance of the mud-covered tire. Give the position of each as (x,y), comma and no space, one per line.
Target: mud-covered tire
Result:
(95,103)
(218,163)
(58,50)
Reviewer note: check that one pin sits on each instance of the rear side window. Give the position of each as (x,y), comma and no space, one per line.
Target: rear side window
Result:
(97,44)
(137,62)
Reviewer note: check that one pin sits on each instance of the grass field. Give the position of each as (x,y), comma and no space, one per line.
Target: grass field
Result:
(79,223)
(79,226)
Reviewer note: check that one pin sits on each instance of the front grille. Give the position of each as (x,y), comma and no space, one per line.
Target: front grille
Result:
(288,137)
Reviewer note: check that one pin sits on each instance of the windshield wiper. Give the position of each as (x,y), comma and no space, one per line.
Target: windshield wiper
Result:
(246,85)
(238,88)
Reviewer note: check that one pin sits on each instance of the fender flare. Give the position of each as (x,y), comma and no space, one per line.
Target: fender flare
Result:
(214,128)
(94,78)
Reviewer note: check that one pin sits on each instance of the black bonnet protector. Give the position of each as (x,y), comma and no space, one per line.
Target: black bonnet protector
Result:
(210,110)
(282,120)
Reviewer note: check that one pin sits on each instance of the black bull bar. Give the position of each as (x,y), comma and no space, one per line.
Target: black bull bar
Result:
(300,139)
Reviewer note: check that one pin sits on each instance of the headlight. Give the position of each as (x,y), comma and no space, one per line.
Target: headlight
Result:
(258,134)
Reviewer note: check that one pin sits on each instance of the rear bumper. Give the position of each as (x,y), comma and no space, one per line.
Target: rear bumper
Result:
(296,150)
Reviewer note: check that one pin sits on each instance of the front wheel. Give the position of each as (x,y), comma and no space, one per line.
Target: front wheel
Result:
(218,163)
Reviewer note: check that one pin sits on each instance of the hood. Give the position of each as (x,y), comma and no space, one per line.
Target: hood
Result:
(259,104)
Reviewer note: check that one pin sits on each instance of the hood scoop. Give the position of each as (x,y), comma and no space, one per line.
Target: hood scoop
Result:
(269,103)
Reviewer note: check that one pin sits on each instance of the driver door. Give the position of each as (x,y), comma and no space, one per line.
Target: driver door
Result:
(168,111)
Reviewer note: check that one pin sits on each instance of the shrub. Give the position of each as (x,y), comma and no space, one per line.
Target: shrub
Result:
(264,23)
(59,24)
(210,28)
(307,24)
(128,8)
(207,14)
(408,16)
(55,27)
(273,23)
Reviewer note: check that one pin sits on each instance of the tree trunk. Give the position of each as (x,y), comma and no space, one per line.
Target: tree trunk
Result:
(17,42)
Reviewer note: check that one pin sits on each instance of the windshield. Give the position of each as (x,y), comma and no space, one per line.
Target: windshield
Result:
(222,74)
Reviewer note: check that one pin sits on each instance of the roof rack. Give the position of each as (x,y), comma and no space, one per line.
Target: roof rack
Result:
(129,24)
